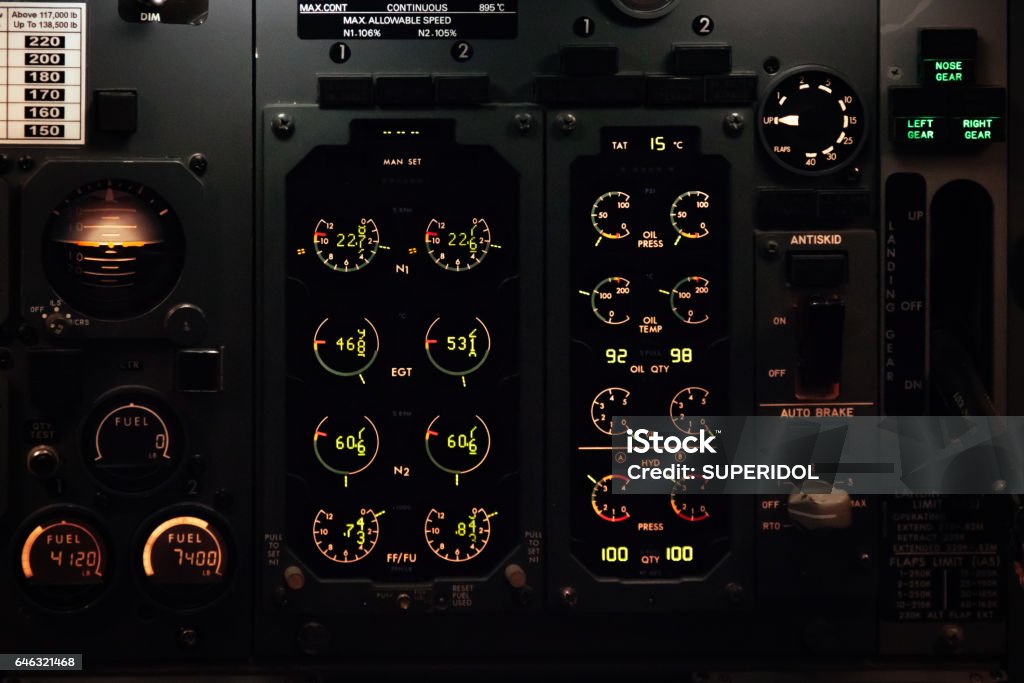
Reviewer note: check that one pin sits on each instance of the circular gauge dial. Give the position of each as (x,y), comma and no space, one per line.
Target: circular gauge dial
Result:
(645,9)
(133,442)
(346,539)
(113,249)
(346,348)
(64,562)
(346,249)
(605,500)
(458,248)
(457,445)
(691,300)
(610,300)
(606,407)
(690,215)
(689,509)
(346,446)
(688,408)
(610,215)
(458,538)
(458,347)
(186,560)
(813,122)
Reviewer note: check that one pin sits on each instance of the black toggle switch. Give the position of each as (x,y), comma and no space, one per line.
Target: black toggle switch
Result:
(820,349)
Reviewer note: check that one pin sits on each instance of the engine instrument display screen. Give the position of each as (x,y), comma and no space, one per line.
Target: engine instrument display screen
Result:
(649,337)
(403,319)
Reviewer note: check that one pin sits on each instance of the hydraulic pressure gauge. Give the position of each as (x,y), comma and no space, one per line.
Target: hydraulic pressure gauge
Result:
(812,122)
(113,249)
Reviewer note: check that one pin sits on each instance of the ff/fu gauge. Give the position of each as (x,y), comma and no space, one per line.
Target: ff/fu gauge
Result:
(458,538)
(812,122)
(346,539)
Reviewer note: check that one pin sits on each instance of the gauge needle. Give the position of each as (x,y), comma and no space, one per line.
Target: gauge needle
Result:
(791,120)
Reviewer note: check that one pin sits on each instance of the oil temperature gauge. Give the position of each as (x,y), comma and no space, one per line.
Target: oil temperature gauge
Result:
(346,249)
(457,445)
(458,249)
(458,347)
(813,122)
(608,405)
(604,498)
(690,300)
(346,446)
(610,216)
(346,348)
(690,215)
(346,539)
(608,300)
(458,538)
(688,408)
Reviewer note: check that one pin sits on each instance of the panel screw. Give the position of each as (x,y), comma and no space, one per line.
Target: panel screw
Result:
(524,122)
(952,637)
(567,122)
(283,126)
(26,163)
(569,596)
(895,73)
(735,592)
(771,248)
(772,65)
(854,174)
(198,164)
(734,123)
(188,637)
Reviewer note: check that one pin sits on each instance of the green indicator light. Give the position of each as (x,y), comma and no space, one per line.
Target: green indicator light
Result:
(920,129)
(948,71)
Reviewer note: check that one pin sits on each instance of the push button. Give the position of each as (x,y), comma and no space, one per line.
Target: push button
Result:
(948,56)
(341,92)
(199,371)
(398,91)
(115,111)
(700,60)
(590,60)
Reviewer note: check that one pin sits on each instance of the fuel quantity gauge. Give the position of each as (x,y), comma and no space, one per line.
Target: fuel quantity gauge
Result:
(346,538)
(186,559)
(458,249)
(346,446)
(63,562)
(458,537)
(346,249)
(346,348)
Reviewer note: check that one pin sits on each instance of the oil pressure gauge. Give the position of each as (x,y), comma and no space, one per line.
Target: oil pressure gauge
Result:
(812,122)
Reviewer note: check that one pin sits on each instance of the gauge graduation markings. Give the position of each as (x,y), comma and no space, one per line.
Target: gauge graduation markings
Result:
(463,542)
(688,215)
(357,347)
(689,300)
(603,297)
(606,400)
(346,542)
(346,251)
(450,454)
(348,444)
(457,250)
(603,493)
(609,216)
